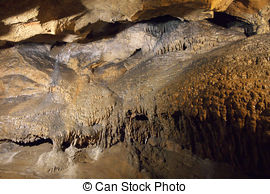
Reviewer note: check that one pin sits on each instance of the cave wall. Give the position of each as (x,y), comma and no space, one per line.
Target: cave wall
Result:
(70,20)
(167,79)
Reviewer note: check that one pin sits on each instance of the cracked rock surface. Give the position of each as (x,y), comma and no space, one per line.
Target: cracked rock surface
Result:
(75,20)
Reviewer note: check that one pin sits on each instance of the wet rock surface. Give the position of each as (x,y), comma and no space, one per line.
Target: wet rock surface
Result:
(164,98)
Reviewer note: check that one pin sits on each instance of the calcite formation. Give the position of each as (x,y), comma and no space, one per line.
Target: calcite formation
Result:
(160,84)
(182,95)
(63,82)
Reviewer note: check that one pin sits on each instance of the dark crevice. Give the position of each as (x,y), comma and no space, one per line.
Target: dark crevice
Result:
(34,143)
(161,19)
(101,30)
(136,52)
(7,45)
(229,21)
(58,43)
(141,118)
(122,134)
(83,145)
(67,144)
(184,46)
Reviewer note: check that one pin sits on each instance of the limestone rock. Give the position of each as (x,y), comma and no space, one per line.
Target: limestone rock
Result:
(63,82)
(229,89)
(69,20)
(177,87)
(253,11)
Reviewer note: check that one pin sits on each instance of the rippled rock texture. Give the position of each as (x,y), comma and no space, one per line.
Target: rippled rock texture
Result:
(181,99)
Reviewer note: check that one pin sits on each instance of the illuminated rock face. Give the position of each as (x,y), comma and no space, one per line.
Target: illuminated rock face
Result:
(254,11)
(62,82)
(157,87)
(69,20)
(181,97)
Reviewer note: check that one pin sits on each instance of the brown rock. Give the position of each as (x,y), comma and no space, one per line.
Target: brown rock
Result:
(255,12)
(71,20)
(223,104)
(197,88)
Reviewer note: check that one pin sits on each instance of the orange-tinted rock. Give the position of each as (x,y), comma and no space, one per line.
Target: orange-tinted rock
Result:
(256,12)
(166,90)
(69,19)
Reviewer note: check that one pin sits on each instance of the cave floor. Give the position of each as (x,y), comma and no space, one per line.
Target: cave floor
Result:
(20,162)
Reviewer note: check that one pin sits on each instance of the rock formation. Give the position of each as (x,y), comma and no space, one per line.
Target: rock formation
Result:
(253,11)
(69,20)
(182,95)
